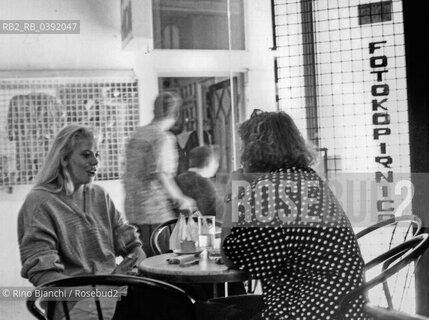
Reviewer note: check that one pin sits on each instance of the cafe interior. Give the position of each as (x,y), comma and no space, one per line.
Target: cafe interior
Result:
(352,74)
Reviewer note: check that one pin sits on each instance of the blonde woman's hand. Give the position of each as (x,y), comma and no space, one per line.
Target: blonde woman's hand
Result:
(130,261)
(140,254)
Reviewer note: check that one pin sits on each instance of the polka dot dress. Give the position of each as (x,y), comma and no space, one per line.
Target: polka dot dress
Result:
(294,236)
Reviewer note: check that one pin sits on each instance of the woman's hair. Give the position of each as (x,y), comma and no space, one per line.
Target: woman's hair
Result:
(54,175)
(272,141)
(167,105)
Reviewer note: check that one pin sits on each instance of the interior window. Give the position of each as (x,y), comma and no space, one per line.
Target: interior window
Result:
(196,24)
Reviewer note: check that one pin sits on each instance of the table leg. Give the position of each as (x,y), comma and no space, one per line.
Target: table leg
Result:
(215,293)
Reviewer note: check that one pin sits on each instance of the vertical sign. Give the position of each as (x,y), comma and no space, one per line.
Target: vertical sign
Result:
(381,128)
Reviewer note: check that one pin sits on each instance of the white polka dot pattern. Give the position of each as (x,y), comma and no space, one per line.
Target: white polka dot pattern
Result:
(299,242)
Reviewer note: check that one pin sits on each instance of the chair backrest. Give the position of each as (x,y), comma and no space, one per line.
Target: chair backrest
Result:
(167,226)
(391,262)
(386,234)
(134,298)
(412,223)
(163,227)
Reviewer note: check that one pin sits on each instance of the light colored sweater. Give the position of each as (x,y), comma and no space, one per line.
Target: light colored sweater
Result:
(57,239)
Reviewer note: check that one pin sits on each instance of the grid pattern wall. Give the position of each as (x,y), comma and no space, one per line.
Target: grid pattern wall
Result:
(341,75)
(33,110)
(334,57)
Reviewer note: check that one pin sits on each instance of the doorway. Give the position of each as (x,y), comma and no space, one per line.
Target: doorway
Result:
(206,118)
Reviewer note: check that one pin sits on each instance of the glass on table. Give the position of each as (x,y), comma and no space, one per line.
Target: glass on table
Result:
(206,232)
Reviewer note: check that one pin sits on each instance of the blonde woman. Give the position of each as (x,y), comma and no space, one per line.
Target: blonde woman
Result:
(68,226)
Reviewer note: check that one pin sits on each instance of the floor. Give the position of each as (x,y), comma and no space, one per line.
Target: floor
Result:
(14,310)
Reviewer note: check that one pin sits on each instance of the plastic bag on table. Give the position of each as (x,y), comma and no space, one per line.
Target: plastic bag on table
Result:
(180,233)
(193,226)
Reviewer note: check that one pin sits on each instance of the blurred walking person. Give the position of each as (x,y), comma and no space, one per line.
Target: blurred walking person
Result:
(151,165)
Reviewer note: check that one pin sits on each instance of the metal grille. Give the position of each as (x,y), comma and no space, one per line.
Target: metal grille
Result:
(189,108)
(34,109)
(341,74)
(327,73)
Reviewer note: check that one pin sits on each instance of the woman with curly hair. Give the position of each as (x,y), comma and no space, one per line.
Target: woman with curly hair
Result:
(288,229)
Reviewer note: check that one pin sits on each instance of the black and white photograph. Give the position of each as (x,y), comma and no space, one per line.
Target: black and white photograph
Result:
(214,160)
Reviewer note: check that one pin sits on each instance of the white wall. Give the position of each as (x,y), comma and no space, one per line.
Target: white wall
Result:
(256,60)
(98,46)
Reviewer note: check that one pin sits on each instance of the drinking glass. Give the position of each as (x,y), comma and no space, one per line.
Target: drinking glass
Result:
(206,232)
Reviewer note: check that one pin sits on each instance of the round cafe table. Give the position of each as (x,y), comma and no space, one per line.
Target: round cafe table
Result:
(206,271)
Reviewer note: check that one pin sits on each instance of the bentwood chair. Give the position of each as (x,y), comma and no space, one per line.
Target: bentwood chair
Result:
(168,227)
(410,224)
(135,298)
(386,234)
(390,263)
